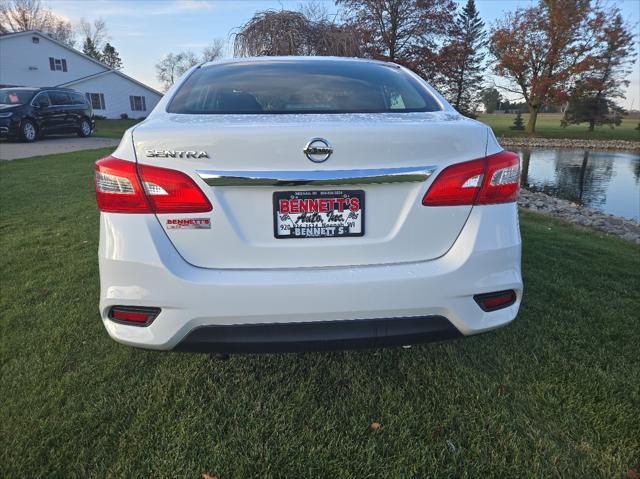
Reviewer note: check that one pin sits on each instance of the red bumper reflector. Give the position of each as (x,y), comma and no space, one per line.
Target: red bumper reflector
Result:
(134,315)
(494,301)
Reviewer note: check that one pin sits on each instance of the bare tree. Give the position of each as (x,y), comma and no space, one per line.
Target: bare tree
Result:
(287,32)
(273,32)
(173,65)
(96,31)
(329,39)
(214,51)
(24,15)
(314,11)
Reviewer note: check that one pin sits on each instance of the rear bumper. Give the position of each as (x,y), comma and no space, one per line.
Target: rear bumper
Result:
(307,308)
(317,335)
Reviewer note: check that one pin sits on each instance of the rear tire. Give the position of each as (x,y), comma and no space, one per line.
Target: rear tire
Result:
(85,129)
(28,131)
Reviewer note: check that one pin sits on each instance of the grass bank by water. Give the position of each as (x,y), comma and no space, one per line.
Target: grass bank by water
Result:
(548,126)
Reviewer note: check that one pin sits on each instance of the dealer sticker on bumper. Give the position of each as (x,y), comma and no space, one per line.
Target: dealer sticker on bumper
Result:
(188,224)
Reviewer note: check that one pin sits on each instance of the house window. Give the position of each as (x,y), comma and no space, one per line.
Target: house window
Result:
(137,103)
(96,100)
(58,64)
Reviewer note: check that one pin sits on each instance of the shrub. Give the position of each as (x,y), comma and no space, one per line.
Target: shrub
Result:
(124,116)
(99,117)
(518,122)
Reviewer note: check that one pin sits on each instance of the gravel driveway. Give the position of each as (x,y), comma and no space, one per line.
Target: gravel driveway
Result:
(11,150)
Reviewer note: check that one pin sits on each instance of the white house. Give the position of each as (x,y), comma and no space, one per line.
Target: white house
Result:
(34,59)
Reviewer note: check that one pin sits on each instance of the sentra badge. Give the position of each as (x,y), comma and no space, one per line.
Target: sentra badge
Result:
(176,154)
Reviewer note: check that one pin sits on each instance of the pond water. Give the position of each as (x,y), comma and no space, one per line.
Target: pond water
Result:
(607,181)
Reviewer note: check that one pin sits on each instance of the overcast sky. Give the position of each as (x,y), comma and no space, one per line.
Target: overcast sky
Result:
(143,31)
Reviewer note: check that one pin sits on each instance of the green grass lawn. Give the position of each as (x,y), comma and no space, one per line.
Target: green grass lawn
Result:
(555,394)
(548,126)
(113,128)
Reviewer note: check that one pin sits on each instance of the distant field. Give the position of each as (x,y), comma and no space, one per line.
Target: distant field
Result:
(548,126)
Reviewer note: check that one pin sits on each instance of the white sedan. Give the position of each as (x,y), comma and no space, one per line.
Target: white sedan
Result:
(287,204)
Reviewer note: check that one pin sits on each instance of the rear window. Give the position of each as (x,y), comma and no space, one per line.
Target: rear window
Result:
(15,97)
(280,86)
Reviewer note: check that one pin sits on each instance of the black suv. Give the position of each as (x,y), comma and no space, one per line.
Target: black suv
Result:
(28,113)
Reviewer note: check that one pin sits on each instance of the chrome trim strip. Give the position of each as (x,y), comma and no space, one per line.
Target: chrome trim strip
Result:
(313,178)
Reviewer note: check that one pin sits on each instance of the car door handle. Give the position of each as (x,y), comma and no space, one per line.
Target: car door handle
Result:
(316,177)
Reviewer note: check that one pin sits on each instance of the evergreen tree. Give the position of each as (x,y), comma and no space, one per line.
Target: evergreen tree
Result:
(593,109)
(89,49)
(518,122)
(462,59)
(110,57)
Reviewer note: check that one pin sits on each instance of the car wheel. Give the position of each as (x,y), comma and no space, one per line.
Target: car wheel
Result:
(28,131)
(85,129)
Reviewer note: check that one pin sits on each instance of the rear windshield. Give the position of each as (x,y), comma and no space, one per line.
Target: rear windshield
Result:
(281,86)
(15,97)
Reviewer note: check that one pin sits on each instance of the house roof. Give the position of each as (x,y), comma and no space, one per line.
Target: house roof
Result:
(107,68)
(106,72)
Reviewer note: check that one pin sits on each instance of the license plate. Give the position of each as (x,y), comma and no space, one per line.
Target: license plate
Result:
(318,214)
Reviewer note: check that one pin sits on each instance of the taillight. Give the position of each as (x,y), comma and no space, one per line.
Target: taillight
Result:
(171,191)
(117,187)
(494,179)
(502,179)
(124,187)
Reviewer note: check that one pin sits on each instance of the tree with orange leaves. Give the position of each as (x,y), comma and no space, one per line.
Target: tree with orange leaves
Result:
(543,49)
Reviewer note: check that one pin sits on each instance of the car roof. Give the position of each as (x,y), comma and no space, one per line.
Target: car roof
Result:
(26,88)
(44,88)
(48,88)
(298,59)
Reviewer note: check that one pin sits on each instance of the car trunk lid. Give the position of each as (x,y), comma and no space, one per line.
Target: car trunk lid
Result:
(247,164)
